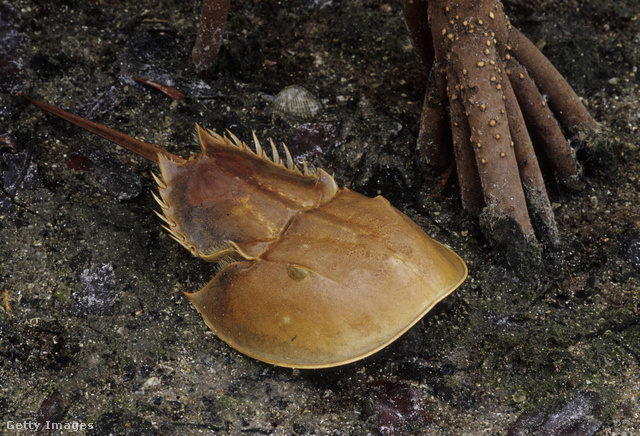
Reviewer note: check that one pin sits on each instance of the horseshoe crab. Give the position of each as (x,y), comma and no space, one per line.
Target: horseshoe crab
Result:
(312,275)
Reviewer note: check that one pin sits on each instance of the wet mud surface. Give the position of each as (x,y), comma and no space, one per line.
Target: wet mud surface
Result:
(96,333)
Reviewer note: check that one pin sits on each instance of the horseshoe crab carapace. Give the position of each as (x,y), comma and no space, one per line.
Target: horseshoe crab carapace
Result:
(314,275)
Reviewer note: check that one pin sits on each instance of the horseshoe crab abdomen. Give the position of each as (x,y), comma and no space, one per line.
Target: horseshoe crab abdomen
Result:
(229,193)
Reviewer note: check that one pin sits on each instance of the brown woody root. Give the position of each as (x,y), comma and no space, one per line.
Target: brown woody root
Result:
(209,39)
(491,79)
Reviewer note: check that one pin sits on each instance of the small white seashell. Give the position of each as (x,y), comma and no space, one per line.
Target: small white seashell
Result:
(297,102)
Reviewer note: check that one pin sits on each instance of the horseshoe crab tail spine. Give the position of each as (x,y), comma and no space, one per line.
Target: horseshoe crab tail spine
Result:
(148,151)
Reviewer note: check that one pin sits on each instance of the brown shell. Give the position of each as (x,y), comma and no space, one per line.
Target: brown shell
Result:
(320,277)
(315,276)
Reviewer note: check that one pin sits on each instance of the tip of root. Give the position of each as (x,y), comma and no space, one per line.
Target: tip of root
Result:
(522,252)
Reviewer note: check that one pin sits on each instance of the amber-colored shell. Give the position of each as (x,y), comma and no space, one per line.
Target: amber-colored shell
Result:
(319,276)
(315,276)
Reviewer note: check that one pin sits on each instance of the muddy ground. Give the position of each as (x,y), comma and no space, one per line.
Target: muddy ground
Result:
(96,334)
